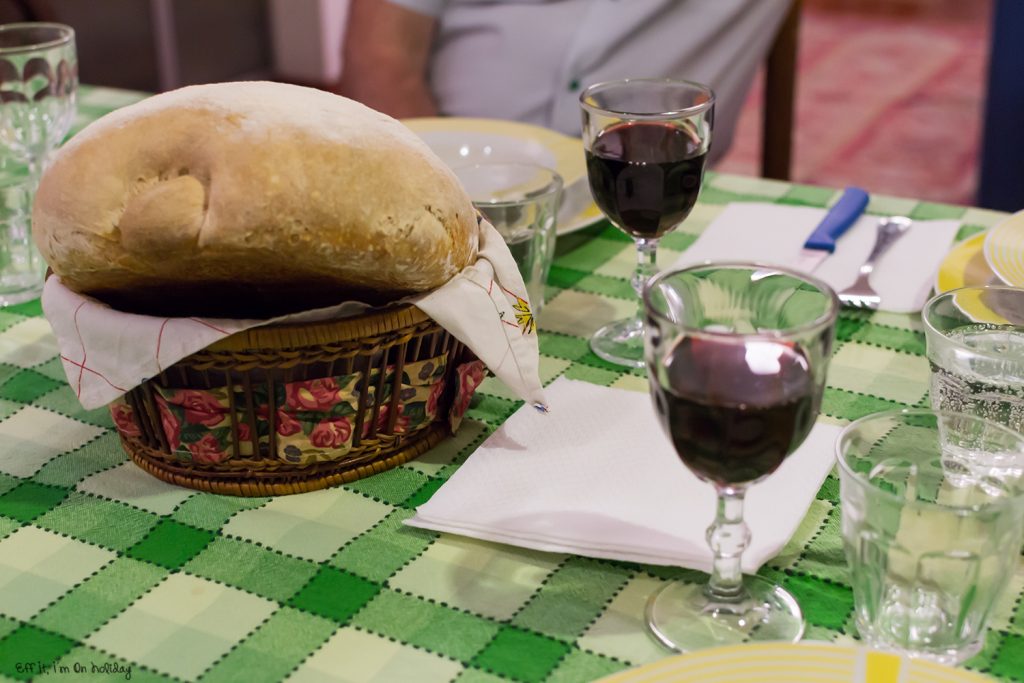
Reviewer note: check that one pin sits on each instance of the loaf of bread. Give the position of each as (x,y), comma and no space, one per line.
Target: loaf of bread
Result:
(250,199)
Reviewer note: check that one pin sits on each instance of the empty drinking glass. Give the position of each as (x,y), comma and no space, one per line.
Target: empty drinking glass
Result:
(521,201)
(929,556)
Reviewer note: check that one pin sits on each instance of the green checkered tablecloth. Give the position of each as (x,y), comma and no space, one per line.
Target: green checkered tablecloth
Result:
(105,570)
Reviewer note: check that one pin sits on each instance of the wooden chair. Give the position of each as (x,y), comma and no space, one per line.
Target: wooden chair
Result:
(780,91)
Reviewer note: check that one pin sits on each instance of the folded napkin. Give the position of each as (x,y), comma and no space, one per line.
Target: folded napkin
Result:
(774,234)
(596,476)
(106,352)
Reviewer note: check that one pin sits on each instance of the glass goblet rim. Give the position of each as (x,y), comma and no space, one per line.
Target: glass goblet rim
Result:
(554,185)
(684,112)
(1016,498)
(821,322)
(65,35)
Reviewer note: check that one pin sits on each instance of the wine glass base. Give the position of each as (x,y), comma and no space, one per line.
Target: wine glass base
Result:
(683,618)
(621,342)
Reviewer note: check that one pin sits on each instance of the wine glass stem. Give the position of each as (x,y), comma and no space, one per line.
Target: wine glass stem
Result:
(646,264)
(728,537)
(35,170)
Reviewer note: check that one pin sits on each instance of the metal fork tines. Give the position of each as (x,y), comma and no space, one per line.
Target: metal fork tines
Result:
(861,294)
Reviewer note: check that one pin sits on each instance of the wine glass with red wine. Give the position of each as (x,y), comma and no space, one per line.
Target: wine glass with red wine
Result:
(646,142)
(736,356)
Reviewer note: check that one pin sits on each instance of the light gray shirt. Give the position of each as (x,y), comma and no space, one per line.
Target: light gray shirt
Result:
(528,60)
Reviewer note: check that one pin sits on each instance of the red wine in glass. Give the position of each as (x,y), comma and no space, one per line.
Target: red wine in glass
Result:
(645,176)
(735,409)
(645,142)
(736,356)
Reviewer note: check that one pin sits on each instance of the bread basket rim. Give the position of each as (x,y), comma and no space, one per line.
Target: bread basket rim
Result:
(373,323)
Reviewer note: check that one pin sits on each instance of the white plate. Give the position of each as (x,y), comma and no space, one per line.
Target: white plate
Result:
(462,141)
(1004,249)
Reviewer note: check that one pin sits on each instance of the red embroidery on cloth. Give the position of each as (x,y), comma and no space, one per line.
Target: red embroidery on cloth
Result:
(159,340)
(160,336)
(87,369)
(85,355)
(83,368)
(510,293)
(211,326)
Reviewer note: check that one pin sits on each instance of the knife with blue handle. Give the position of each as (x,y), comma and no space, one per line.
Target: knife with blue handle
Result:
(822,242)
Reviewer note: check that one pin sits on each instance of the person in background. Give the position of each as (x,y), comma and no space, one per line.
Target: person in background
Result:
(528,60)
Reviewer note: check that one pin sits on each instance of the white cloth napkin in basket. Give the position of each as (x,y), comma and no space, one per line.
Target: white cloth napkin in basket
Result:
(774,233)
(596,476)
(106,352)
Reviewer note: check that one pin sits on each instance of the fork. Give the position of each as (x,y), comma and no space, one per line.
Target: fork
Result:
(861,294)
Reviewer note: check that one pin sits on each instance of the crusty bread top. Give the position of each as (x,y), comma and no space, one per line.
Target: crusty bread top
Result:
(235,193)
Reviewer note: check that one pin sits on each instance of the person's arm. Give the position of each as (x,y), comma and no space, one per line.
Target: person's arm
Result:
(386,58)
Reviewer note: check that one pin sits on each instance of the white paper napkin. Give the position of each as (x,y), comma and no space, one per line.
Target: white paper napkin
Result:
(596,476)
(106,352)
(774,234)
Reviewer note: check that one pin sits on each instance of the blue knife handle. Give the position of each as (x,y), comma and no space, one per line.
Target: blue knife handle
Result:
(841,216)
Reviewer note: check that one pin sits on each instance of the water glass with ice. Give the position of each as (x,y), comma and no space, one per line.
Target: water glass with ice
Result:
(975,338)
(521,201)
(929,556)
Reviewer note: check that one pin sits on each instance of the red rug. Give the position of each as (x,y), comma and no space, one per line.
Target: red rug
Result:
(889,102)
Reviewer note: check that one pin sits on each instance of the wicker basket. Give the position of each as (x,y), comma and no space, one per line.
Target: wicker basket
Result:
(286,409)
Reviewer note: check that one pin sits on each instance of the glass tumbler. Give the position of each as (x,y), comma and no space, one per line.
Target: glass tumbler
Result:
(928,556)
(975,338)
(521,201)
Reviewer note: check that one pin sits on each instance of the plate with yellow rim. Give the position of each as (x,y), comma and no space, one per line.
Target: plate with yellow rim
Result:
(965,265)
(794,663)
(460,141)
(1004,249)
